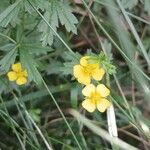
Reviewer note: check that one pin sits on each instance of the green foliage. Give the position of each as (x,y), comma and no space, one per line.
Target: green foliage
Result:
(129,4)
(147,6)
(8,59)
(50,92)
(30,64)
(35,114)
(10,14)
(104,62)
(56,11)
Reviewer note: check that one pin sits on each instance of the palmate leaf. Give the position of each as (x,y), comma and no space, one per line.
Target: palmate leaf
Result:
(30,64)
(66,17)
(57,11)
(10,14)
(51,16)
(42,4)
(8,60)
(36,48)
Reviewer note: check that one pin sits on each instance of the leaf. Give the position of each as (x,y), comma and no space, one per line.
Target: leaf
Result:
(10,14)
(8,60)
(29,63)
(37,3)
(54,67)
(74,96)
(66,17)
(147,6)
(71,61)
(129,4)
(56,11)
(108,48)
(36,48)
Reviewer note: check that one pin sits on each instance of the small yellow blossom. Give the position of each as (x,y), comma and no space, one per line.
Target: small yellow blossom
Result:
(96,98)
(18,74)
(84,72)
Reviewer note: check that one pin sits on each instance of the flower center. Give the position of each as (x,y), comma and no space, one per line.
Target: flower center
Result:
(89,68)
(95,97)
(20,74)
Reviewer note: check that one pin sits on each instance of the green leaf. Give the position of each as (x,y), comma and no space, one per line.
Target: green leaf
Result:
(10,14)
(51,16)
(71,60)
(66,17)
(36,48)
(147,6)
(8,60)
(42,4)
(129,4)
(29,63)
(35,114)
(74,96)
(56,11)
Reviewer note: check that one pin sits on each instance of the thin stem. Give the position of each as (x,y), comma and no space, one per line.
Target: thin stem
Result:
(62,114)
(110,38)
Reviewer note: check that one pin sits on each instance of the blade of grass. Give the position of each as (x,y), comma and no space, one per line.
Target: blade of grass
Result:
(32,121)
(114,43)
(101,132)
(134,32)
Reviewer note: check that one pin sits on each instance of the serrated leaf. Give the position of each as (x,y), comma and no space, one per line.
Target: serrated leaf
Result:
(66,17)
(37,3)
(36,48)
(7,47)
(29,63)
(51,16)
(10,14)
(8,60)
(56,11)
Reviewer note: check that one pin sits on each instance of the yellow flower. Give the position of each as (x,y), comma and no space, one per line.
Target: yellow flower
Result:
(85,71)
(96,98)
(18,74)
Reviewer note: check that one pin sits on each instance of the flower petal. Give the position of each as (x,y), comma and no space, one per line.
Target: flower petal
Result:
(88,90)
(84,79)
(84,60)
(103,104)
(12,76)
(25,73)
(98,74)
(88,105)
(21,81)
(77,70)
(17,67)
(103,90)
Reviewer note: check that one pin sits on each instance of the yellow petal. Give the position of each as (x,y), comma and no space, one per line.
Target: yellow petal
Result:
(25,73)
(88,105)
(98,74)
(21,81)
(103,90)
(103,104)
(84,79)
(17,67)
(77,70)
(88,90)
(12,76)
(84,60)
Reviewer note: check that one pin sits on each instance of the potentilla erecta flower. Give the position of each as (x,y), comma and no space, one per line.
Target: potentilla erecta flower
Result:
(95,98)
(18,74)
(85,71)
